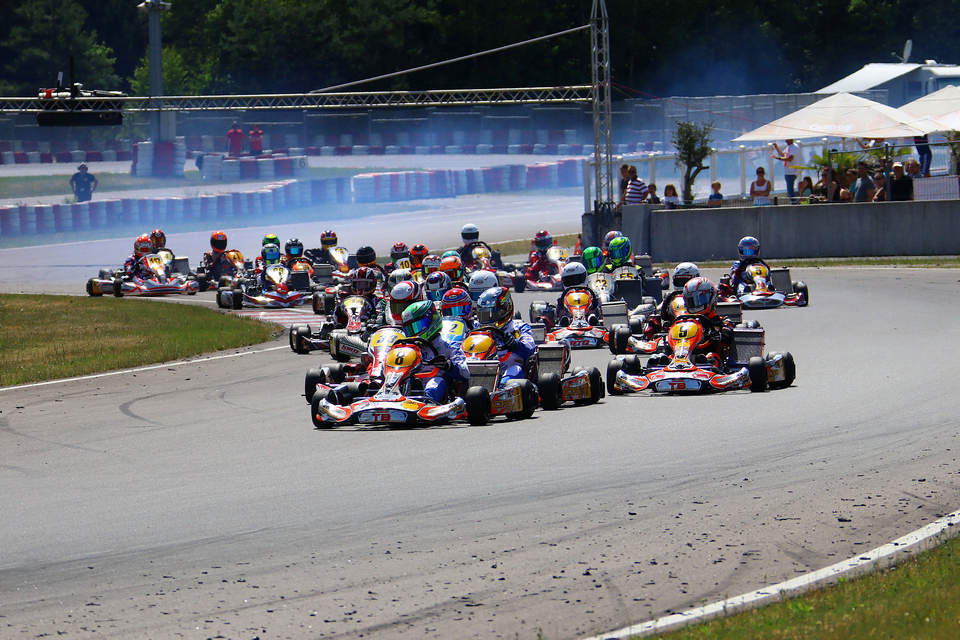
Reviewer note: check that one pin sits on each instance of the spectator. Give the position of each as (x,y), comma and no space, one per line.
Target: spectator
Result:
(789,156)
(235,140)
(862,189)
(805,188)
(83,183)
(624,179)
(880,187)
(850,176)
(670,197)
(715,199)
(922,143)
(901,185)
(827,188)
(760,189)
(256,140)
(913,169)
(637,190)
(652,196)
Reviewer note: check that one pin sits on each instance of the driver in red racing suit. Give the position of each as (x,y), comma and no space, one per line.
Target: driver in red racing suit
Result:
(541,267)
(133,266)
(574,276)
(700,299)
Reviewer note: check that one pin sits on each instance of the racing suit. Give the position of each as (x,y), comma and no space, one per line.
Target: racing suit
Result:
(517,338)
(737,281)
(593,311)
(717,342)
(133,267)
(454,370)
(216,265)
(541,267)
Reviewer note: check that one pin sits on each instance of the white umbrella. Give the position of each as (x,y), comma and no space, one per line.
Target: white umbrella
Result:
(842,115)
(937,111)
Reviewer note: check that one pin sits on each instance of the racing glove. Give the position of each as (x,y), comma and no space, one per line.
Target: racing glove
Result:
(507,339)
(442,362)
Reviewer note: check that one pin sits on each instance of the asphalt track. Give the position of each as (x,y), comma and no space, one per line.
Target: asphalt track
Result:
(195,500)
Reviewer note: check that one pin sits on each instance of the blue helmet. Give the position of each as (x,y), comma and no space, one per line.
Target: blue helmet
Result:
(749,247)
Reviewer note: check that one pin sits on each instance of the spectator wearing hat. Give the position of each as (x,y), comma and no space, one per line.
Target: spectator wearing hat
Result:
(901,185)
(83,183)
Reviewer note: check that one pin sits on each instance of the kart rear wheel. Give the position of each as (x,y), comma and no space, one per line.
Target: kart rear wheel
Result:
(237,300)
(758,373)
(632,364)
(331,396)
(336,373)
(530,398)
(118,287)
(596,385)
(90,289)
(636,324)
(613,367)
(800,287)
(478,405)
(789,371)
(352,391)
(314,376)
(619,338)
(551,393)
(298,333)
(221,303)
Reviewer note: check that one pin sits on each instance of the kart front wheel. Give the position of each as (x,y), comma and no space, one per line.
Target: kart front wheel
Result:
(329,395)
(530,398)
(758,373)
(596,385)
(314,376)
(477,400)
(789,371)
(613,367)
(800,288)
(551,393)
(619,338)
(298,335)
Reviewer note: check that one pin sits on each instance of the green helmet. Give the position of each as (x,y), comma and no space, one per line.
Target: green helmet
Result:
(450,252)
(592,259)
(421,319)
(270,238)
(620,251)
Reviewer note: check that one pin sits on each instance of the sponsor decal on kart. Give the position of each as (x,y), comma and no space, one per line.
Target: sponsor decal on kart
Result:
(673,384)
(575,388)
(382,415)
(507,401)
(581,342)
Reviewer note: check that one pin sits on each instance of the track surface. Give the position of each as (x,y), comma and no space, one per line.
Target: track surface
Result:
(196,500)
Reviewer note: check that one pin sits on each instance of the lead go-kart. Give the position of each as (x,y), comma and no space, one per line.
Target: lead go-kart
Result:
(765,288)
(687,371)
(285,288)
(399,401)
(577,327)
(159,276)
(557,259)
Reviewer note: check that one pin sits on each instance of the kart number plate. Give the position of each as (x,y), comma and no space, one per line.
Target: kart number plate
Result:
(382,415)
(580,342)
(678,385)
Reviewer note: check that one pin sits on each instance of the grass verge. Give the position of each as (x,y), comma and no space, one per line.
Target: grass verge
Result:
(919,598)
(47,337)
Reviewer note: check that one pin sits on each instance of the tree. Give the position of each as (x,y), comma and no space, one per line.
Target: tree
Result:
(692,142)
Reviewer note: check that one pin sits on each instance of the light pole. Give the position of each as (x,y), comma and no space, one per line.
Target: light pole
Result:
(153,9)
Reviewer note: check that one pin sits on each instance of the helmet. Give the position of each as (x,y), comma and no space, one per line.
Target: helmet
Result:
(469,233)
(437,283)
(683,272)
(398,251)
(421,319)
(480,281)
(328,239)
(699,295)
(543,240)
(592,259)
(495,307)
(673,306)
(620,251)
(270,238)
(607,238)
(431,263)
(366,256)
(270,254)
(218,241)
(417,254)
(453,267)
(398,275)
(158,238)
(573,274)
(749,247)
(364,281)
(448,253)
(142,246)
(456,303)
(402,295)
(293,248)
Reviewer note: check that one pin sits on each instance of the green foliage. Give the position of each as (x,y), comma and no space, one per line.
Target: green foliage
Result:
(692,142)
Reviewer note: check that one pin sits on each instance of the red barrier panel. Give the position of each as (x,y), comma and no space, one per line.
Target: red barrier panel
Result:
(94,156)
(283,167)
(20,157)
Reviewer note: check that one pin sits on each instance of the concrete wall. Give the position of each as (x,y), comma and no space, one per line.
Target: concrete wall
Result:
(798,231)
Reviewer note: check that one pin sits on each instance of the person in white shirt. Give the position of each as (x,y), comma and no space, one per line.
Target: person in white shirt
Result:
(791,158)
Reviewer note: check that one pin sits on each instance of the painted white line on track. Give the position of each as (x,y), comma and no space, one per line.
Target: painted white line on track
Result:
(882,557)
(164,365)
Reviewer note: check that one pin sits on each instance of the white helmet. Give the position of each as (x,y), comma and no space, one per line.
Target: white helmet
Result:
(699,295)
(685,271)
(480,281)
(398,275)
(573,274)
(469,233)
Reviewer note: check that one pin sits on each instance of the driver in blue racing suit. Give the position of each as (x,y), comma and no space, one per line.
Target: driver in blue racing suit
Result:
(494,310)
(749,250)
(421,319)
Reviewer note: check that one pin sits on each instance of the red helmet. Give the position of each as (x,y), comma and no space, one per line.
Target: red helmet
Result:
(456,303)
(364,281)
(543,240)
(403,294)
(218,241)
(142,246)
(159,239)
(398,251)
(417,254)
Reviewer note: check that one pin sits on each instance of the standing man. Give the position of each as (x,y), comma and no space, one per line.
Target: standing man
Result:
(83,183)
(235,140)
(863,188)
(256,140)
(637,191)
(789,156)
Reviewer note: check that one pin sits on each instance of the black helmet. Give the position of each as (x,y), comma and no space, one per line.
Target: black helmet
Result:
(366,256)
(293,248)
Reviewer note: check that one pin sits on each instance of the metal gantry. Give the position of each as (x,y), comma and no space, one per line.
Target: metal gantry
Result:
(602,113)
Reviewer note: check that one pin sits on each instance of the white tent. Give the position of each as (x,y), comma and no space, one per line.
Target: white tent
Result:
(842,115)
(936,112)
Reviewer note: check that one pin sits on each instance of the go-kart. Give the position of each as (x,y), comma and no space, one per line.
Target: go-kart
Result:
(482,260)
(238,268)
(154,279)
(285,288)
(352,379)
(399,401)
(354,318)
(765,289)
(548,280)
(577,326)
(687,371)
(557,384)
(488,395)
